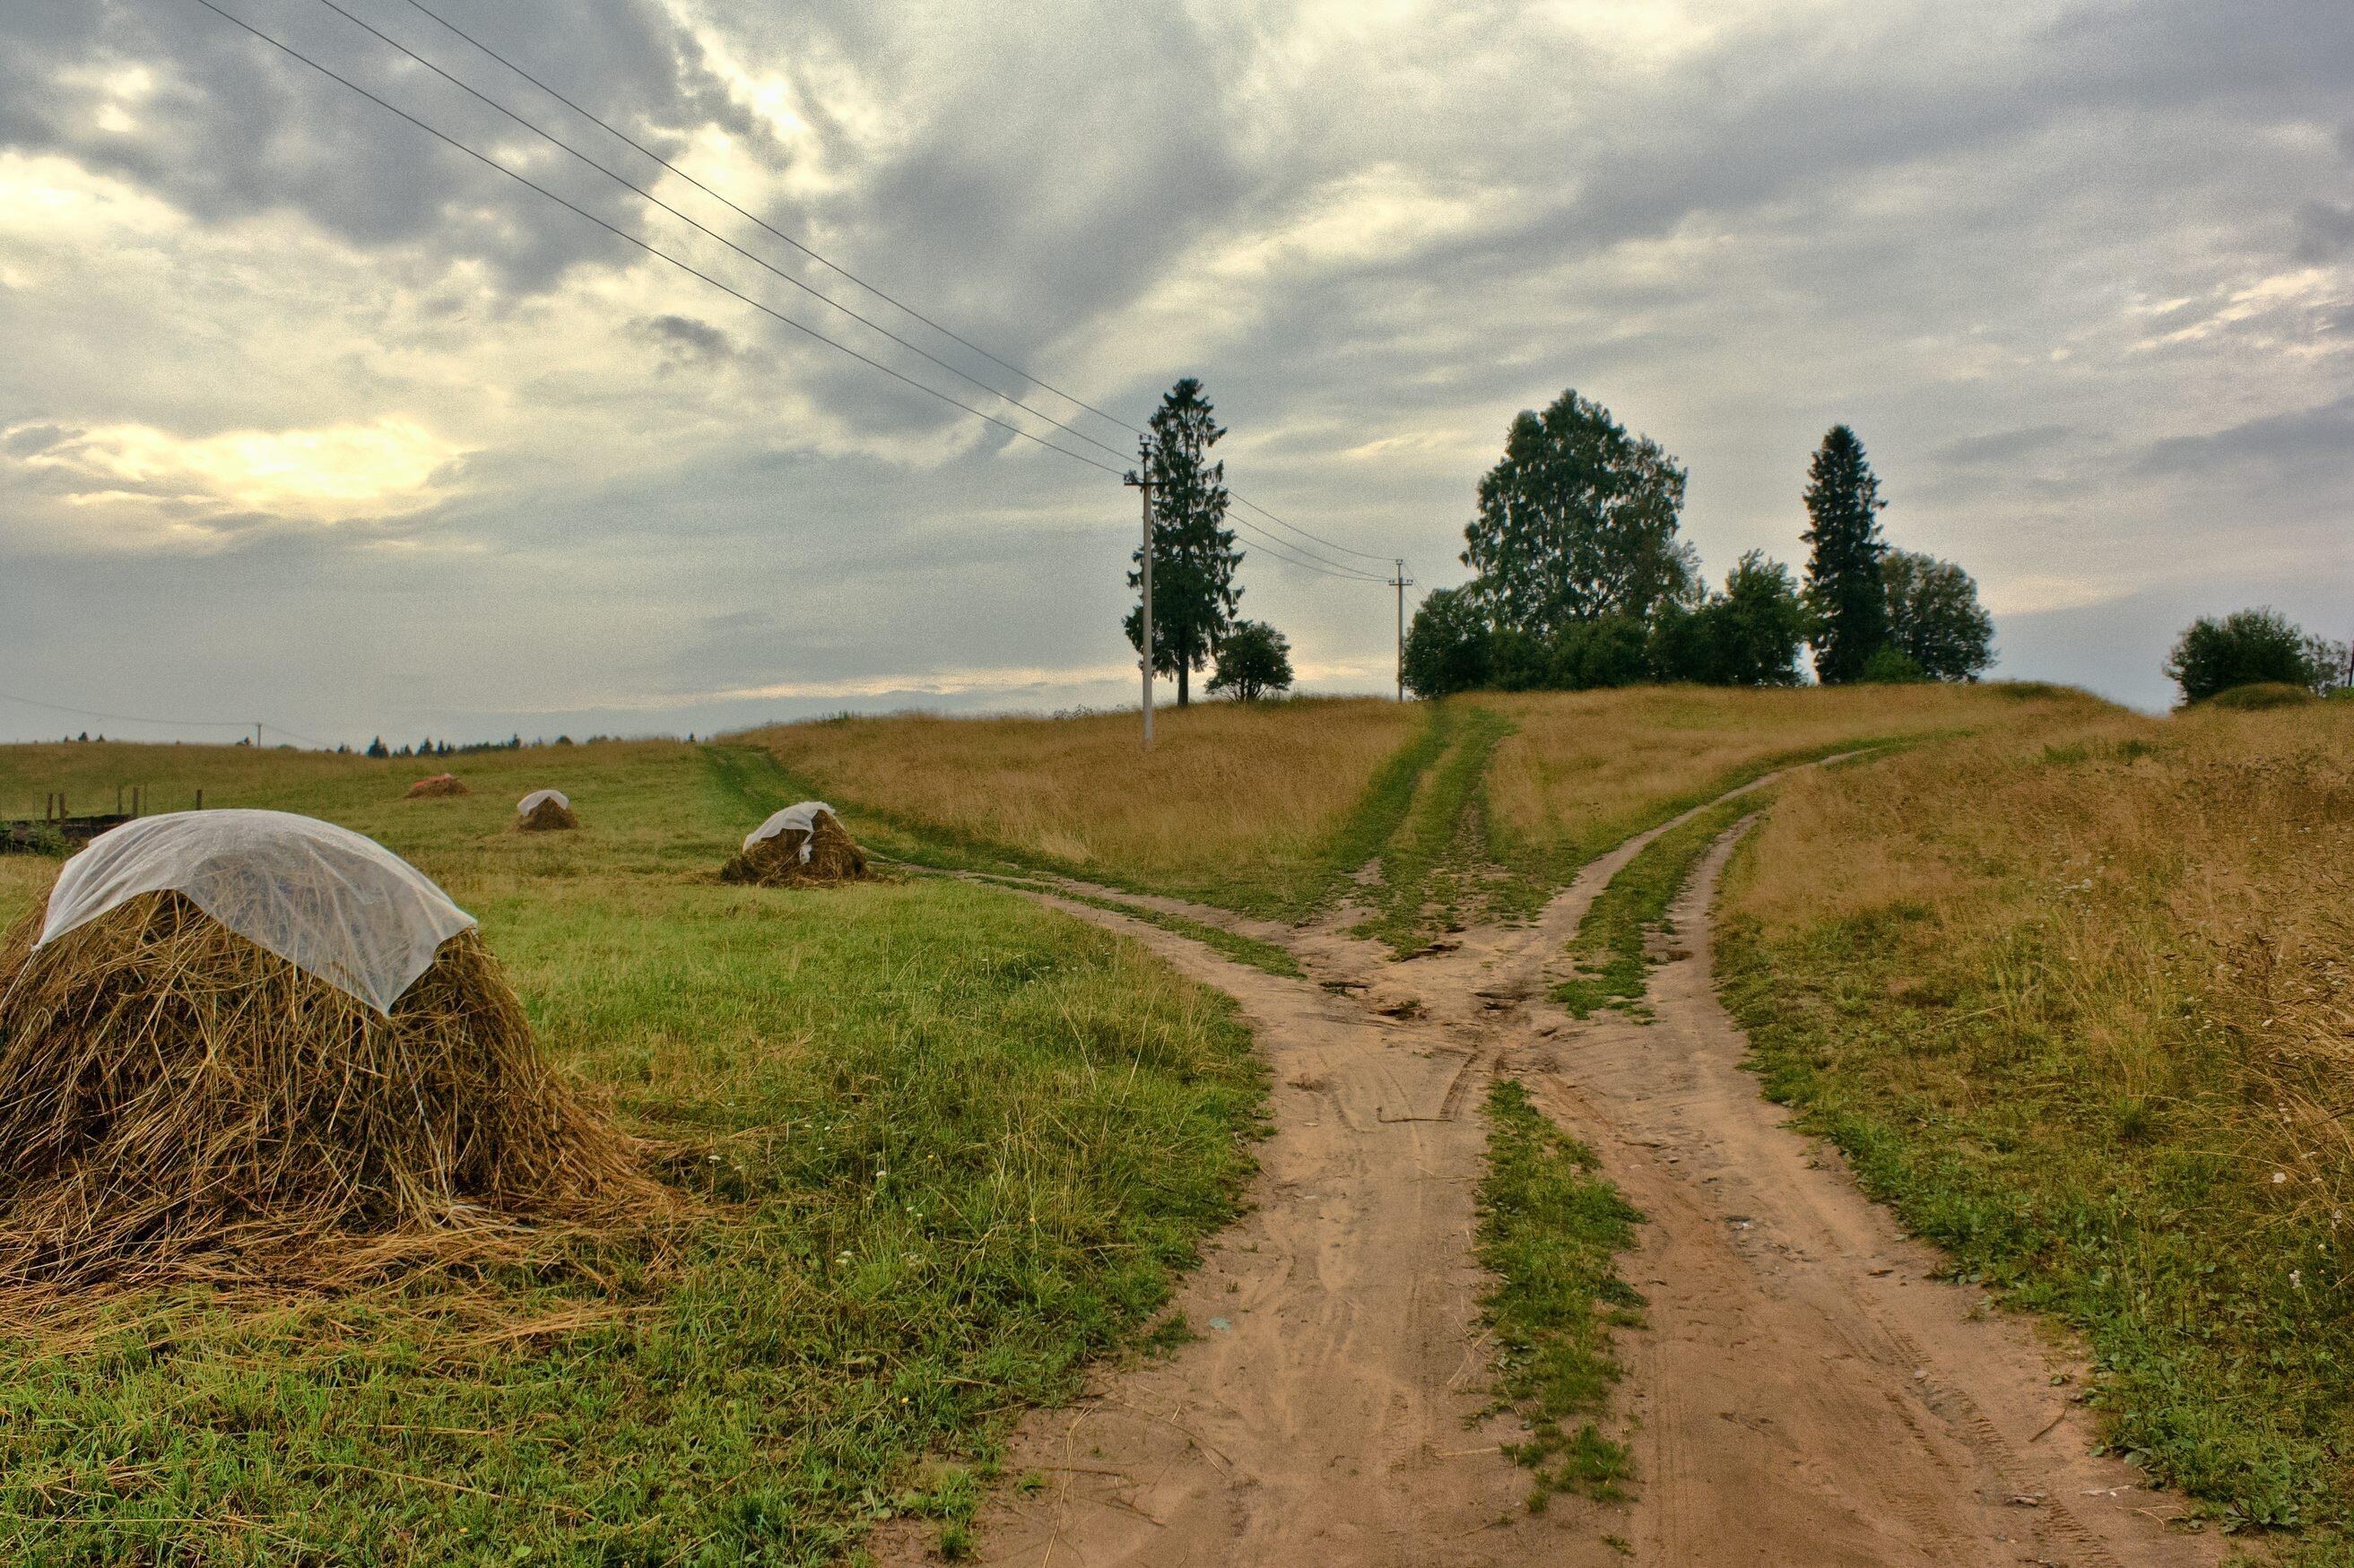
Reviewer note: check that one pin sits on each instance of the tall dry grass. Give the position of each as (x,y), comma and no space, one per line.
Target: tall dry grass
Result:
(2187,884)
(2078,996)
(1585,769)
(1227,784)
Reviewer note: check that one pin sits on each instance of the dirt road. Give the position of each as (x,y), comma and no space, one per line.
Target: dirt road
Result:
(1803,1392)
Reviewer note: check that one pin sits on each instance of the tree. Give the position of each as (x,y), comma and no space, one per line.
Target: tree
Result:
(1844,585)
(1577,522)
(2249,647)
(1194,556)
(1448,646)
(1254,662)
(1934,617)
(1760,621)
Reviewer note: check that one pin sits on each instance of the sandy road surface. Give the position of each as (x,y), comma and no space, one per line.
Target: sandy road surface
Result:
(1803,1392)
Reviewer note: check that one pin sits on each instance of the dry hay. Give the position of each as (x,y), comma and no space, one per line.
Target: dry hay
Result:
(550,816)
(439,784)
(177,1102)
(834,857)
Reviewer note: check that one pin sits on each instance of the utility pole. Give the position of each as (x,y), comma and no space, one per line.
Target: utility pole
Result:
(1401,582)
(1144,624)
(257,734)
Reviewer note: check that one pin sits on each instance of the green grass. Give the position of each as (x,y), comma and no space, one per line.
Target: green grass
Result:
(950,1146)
(1550,1231)
(1432,857)
(1613,937)
(2221,1337)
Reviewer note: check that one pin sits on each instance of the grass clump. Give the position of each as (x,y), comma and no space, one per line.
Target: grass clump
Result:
(2083,1020)
(1550,1231)
(1431,862)
(1612,951)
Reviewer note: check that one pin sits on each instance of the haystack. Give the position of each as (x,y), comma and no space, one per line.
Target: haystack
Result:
(439,784)
(545,812)
(246,1045)
(801,846)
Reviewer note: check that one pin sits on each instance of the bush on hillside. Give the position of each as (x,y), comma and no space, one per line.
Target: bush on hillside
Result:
(2249,647)
(2261,694)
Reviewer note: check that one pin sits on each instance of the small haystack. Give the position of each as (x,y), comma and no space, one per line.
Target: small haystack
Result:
(439,784)
(801,846)
(250,1047)
(545,812)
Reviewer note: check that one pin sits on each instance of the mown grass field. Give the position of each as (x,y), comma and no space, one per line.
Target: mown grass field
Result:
(2078,999)
(944,1146)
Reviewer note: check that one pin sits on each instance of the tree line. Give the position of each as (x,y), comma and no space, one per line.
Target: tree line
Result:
(1582,578)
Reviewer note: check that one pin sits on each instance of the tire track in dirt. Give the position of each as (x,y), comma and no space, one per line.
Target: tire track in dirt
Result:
(1804,1392)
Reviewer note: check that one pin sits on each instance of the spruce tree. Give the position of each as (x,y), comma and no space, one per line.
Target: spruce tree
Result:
(1194,554)
(1845,585)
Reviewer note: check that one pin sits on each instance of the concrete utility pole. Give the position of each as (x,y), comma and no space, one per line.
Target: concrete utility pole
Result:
(1144,642)
(1401,582)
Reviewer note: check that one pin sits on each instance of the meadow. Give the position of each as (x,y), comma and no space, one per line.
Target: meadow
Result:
(941,1147)
(1260,806)
(2075,997)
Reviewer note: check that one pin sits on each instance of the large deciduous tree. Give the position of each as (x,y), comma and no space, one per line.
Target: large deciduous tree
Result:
(1577,522)
(1934,618)
(1254,662)
(1194,554)
(1845,585)
(2249,648)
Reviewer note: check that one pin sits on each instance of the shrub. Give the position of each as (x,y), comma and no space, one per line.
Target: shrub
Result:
(2247,647)
(2261,694)
(1892,666)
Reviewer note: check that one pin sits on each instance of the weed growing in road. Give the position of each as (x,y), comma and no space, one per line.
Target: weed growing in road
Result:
(1612,949)
(1243,949)
(1550,1231)
(1430,863)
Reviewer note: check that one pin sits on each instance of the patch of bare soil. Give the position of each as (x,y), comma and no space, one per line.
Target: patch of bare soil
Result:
(1803,1392)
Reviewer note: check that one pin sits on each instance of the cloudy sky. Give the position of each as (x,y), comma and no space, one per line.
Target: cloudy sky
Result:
(308,416)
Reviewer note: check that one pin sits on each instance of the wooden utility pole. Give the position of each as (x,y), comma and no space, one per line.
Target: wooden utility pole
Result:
(1401,582)
(1144,621)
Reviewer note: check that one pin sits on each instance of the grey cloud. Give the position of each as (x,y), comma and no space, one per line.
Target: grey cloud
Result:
(685,337)
(2323,231)
(2322,435)
(2002,446)
(236,128)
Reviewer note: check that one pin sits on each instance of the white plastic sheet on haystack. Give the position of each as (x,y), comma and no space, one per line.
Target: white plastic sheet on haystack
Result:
(799,819)
(532,802)
(325,899)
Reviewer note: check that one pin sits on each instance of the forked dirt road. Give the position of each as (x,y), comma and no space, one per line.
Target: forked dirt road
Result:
(1803,1392)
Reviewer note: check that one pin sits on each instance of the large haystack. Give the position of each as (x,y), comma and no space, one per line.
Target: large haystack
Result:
(801,846)
(545,812)
(178,1101)
(439,784)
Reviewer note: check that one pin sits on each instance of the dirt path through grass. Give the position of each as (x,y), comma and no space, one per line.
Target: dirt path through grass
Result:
(1803,1390)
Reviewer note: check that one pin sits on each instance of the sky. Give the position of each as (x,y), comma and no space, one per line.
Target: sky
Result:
(310,418)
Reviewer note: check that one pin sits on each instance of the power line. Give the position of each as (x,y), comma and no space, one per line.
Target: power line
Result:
(788,239)
(127,718)
(167,722)
(649,248)
(1281,550)
(761,262)
(892,299)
